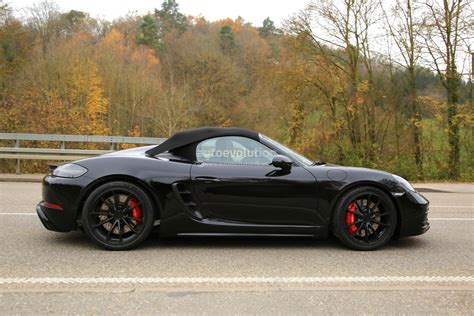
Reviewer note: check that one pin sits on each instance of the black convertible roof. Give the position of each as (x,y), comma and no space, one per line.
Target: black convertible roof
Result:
(190,136)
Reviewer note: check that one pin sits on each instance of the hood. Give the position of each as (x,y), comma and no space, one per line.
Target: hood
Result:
(342,173)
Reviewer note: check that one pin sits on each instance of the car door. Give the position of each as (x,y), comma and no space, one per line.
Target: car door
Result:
(234,181)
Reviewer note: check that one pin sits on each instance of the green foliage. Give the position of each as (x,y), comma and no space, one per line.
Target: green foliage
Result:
(14,45)
(169,18)
(149,34)
(227,39)
(268,29)
(73,21)
(153,28)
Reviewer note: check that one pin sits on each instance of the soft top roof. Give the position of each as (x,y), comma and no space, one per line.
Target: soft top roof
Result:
(190,136)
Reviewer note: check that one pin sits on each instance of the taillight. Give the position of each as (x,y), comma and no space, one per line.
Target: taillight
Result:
(53,206)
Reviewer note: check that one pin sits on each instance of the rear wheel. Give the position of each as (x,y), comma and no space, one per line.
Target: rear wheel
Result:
(365,219)
(118,216)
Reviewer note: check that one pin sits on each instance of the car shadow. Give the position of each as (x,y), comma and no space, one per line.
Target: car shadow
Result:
(416,242)
(238,242)
(80,241)
(71,239)
(263,242)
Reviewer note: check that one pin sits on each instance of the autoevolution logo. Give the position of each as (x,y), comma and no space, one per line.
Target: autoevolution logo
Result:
(235,153)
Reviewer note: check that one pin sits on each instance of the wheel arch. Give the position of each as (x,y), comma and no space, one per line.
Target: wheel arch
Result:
(155,199)
(373,184)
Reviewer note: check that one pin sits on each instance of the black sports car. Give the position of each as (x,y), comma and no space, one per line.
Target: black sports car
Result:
(227,181)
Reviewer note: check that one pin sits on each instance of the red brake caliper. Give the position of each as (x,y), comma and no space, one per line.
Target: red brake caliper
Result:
(350,218)
(136,211)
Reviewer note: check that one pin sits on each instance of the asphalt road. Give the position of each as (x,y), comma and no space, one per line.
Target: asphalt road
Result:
(47,272)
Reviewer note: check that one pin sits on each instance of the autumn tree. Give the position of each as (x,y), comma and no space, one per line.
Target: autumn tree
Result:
(447,22)
(14,44)
(405,31)
(323,85)
(97,104)
(345,43)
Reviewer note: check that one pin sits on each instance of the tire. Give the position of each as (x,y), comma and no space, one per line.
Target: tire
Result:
(118,216)
(365,218)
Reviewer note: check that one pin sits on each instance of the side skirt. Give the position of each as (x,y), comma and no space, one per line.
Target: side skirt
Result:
(245,235)
(184,225)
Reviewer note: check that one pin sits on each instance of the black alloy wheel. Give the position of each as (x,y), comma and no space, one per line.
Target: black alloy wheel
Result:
(118,216)
(365,219)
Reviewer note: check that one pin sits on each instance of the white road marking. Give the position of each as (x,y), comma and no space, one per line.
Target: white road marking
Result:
(451,206)
(239,280)
(19,214)
(450,219)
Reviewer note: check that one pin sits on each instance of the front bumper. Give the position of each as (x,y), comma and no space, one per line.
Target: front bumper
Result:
(414,214)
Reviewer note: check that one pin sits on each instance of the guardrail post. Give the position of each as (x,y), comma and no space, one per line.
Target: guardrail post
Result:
(17,145)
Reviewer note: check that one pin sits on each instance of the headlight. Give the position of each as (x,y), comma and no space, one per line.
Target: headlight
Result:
(404,183)
(69,170)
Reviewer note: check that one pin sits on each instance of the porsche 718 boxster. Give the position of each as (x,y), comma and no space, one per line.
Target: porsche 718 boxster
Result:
(227,182)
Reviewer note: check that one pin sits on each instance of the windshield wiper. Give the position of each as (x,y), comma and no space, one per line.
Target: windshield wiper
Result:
(318,163)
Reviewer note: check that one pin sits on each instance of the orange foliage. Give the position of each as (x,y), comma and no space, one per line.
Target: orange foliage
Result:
(236,24)
(97,104)
(145,55)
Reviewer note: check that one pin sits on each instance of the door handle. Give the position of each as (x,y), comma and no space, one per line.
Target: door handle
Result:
(208,179)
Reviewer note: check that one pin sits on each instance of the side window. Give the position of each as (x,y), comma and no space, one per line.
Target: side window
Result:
(234,150)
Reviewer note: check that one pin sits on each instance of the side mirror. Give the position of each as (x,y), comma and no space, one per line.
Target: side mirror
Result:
(282,162)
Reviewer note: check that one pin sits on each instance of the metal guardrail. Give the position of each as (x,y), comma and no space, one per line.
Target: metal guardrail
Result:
(62,154)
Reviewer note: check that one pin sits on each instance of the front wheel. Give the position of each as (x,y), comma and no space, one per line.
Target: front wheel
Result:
(365,219)
(118,216)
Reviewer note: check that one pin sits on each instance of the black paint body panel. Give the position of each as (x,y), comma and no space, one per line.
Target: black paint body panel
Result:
(193,198)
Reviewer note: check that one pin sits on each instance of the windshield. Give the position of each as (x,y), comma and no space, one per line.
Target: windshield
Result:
(288,151)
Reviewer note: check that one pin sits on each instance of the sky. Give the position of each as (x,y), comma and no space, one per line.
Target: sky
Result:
(254,11)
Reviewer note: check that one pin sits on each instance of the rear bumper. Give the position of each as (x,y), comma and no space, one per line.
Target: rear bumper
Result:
(65,194)
(54,219)
(414,209)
